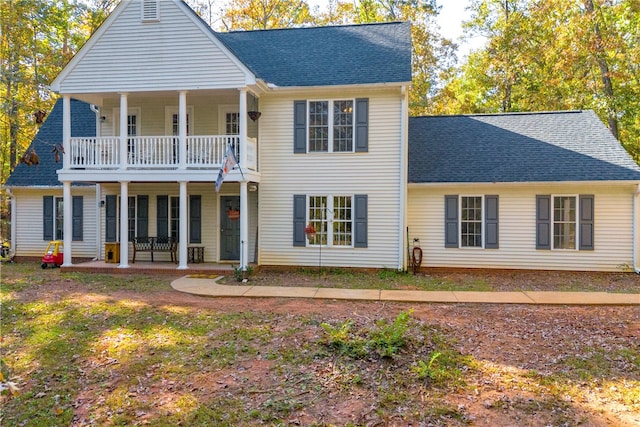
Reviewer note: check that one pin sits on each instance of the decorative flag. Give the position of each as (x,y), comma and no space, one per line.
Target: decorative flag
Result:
(228,163)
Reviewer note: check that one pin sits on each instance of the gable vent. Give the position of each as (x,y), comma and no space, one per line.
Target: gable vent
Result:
(150,10)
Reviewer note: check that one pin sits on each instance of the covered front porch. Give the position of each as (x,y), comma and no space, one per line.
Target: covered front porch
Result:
(176,225)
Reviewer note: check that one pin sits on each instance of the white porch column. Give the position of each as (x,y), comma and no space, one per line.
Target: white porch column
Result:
(243,130)
(182,129)
(67,227)
(66,131)
(124,131)
(244,203)
(244,226)
(124,224)
(184,219)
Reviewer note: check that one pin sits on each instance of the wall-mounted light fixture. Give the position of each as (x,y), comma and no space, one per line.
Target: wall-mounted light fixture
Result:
(252,187)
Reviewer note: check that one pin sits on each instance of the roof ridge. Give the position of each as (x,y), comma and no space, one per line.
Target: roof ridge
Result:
(511,113)
(315,27)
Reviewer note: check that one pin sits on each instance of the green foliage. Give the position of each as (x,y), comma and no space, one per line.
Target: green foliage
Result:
(386,339)
(551,55)
(241,274)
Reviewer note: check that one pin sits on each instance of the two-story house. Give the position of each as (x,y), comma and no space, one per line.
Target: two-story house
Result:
(332,171)
(316,118)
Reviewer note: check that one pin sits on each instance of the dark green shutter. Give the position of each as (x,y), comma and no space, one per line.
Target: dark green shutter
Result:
(143,216)
(162,216)
(299,126)
(77,215)
(586,223)
(362,125)
(111,218)
(195,219)
(491,222)
(543,222)
(360,203)
(47,218)
(451,221)
(299,219)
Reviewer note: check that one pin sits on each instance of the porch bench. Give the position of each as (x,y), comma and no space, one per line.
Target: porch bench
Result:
(155,244)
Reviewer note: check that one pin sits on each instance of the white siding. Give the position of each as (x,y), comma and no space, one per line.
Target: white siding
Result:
(375,173)
(517,228)
(152,116)
(131,55)
(29,228)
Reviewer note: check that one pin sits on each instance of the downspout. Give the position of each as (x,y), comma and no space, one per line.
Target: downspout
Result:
(635,229)
(402,261)
(96,110)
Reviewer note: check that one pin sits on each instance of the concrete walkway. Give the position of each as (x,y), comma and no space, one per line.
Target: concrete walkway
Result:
(210,288)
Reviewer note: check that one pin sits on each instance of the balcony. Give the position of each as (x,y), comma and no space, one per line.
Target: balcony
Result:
(157,152)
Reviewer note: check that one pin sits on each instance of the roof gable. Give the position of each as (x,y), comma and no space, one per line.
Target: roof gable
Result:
(83,123)
(324,56)
(178,51)
(519,147)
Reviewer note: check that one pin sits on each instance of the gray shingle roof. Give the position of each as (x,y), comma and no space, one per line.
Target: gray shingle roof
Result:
(83,123)
(518,147)
(322,56)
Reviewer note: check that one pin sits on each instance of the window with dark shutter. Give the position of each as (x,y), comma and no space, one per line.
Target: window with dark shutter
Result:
(195,219)
(111,218)
(47,218)
(586,223)
(300,126)
(162,216)
(299,218)
(543,222)
(451,221)
(142,218)
(360,224)
(491,214)
(78,218)
(362,125)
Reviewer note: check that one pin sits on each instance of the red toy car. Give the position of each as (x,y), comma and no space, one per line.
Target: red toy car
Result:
(53,256)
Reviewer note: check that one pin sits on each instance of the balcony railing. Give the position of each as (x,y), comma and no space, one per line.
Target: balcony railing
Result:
(157,152)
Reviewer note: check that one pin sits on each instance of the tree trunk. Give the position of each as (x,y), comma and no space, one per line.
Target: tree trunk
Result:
(612,117)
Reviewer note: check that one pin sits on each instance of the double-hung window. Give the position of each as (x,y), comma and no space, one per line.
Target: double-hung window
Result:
(471,221)
(337,220)
(331,217)
(331,126)
(565,222)
(53,218)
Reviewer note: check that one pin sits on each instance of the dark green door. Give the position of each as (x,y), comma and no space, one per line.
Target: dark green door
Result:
(229,228)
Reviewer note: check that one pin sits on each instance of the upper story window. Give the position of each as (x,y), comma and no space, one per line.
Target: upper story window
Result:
(150,10)
(331,126)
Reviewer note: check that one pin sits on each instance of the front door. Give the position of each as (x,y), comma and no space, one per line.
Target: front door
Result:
(229,228)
